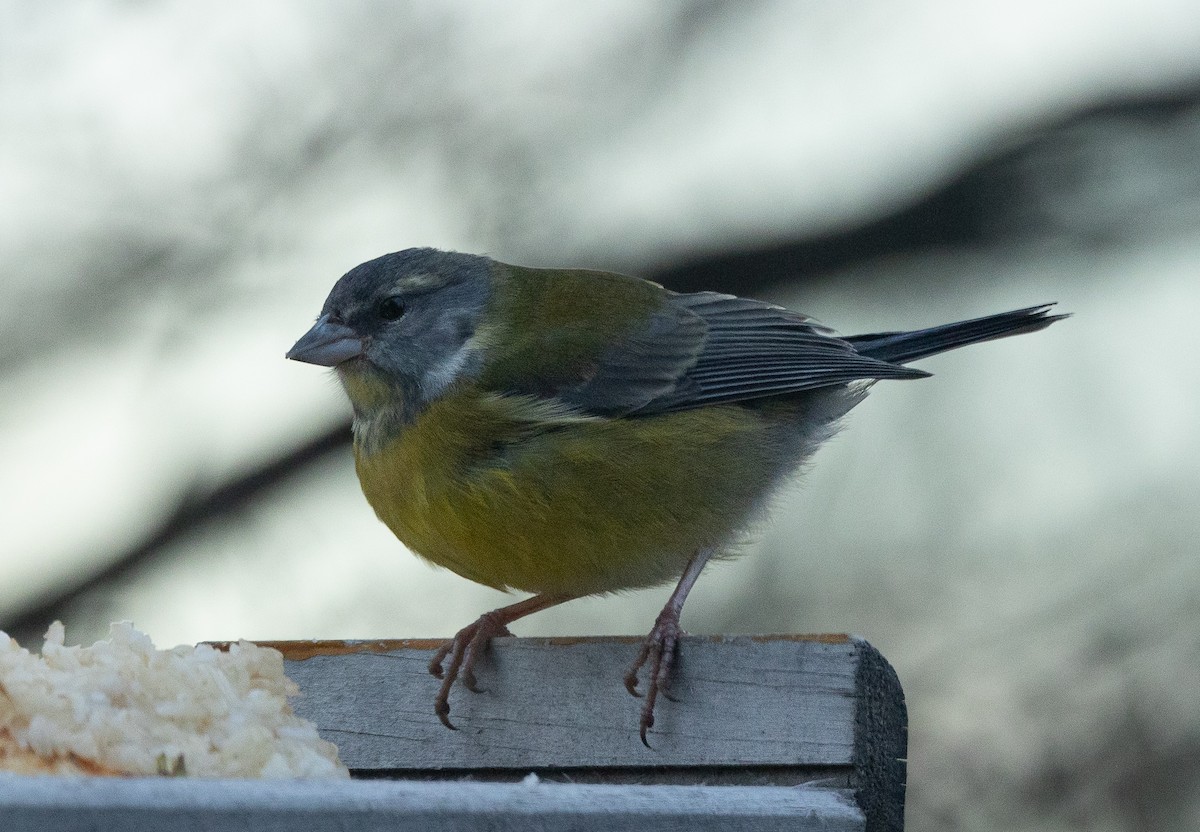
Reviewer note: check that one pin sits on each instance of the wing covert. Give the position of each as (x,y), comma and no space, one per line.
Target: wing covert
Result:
(709,348)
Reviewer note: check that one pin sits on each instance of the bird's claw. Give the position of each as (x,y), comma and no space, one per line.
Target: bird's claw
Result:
(463,651)
(658,651)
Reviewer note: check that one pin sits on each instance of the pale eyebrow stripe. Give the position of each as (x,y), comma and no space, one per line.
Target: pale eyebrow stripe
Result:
(416,283)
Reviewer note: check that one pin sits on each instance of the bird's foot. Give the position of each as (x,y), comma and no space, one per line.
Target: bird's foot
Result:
(658,651)
(464,650)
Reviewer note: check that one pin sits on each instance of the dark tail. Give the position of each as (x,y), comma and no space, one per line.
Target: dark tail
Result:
(903,347)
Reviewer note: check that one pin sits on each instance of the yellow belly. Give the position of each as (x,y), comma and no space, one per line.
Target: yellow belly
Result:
(484,486)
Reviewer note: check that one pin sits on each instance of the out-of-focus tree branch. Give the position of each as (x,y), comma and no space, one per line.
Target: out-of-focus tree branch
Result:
(987,201)
(192,512)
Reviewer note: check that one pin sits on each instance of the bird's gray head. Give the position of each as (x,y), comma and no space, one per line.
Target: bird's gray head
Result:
(398,328)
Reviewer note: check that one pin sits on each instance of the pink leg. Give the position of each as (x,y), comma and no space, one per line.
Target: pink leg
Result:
(660,645)
(472,640)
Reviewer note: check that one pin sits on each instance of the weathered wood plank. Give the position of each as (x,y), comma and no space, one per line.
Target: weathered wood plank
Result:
(779,710)
(549,703)
(53,804)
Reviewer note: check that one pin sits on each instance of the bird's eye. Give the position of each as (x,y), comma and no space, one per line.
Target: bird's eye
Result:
(390,309)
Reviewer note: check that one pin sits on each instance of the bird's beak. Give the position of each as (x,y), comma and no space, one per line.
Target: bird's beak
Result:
(328,343)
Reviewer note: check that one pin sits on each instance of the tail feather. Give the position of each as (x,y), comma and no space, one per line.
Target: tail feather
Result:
(902,347)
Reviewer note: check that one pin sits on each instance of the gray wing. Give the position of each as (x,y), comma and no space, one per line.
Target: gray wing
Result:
(708,348)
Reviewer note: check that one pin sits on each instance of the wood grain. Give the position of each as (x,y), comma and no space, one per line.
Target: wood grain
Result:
(765,710)
(739,701)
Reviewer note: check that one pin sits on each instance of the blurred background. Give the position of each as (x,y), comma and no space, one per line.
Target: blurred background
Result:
(183,185)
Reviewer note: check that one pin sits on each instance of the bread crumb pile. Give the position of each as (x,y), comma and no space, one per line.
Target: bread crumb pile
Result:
(123,707)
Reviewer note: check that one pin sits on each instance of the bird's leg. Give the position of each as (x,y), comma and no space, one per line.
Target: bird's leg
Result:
(470,643)
(660,645)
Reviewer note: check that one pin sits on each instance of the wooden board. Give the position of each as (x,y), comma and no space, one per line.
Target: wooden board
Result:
(765,732)
(54,804)
(778,710)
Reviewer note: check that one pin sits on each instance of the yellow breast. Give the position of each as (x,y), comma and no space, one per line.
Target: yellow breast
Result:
(509,492)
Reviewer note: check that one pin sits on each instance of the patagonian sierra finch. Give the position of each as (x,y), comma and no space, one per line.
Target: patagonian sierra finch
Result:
(568,432)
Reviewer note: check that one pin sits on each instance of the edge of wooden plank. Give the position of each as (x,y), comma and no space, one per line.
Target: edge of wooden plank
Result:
(880,741)
(50,804)
(301,650)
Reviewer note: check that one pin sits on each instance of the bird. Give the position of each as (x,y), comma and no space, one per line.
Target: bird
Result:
(572,432)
